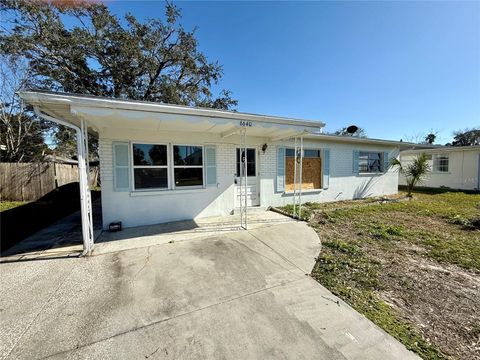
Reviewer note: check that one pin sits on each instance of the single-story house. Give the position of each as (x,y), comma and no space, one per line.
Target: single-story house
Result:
(451,166)
(162,163)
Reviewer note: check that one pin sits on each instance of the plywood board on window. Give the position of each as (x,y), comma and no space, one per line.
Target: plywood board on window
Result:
(311,173)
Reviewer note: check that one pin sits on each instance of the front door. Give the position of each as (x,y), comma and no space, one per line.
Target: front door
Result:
(253,198)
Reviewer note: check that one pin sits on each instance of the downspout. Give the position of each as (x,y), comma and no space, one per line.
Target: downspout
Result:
(88,192)
(87,244)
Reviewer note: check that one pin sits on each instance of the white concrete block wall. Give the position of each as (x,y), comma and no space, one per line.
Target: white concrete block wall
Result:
(150,207)
(106,159)
(463,170)
(344,184)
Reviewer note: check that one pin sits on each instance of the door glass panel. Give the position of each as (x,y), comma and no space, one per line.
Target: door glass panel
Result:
(251,162)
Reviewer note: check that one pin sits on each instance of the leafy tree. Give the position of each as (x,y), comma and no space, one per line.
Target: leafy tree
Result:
(104,55)
(414,171)
(430,138)
(359,133)
(468,137)
(21,134)
(65,141)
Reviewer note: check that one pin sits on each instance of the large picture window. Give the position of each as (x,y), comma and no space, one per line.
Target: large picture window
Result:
(440,163)
(150,166)
(370,162)
(188,165)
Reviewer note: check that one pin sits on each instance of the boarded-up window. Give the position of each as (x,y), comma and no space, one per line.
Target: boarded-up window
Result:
(311,169)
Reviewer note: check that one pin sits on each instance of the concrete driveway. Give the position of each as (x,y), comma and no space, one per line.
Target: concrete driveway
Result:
(236,295)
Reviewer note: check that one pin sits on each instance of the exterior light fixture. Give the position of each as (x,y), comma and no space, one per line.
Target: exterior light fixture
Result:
(264,148)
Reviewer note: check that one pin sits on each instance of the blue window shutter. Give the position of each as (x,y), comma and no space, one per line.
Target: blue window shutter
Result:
(281,169)
(386,161)
(326,168)
(121,166)
(211,165)
(356,158)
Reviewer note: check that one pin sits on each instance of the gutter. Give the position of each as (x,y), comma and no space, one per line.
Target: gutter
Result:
(357,140)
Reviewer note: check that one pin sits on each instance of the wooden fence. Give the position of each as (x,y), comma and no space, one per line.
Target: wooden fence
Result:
(30,181)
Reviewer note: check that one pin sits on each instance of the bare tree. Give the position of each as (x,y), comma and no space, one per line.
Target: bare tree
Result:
(422,137)
(21,135)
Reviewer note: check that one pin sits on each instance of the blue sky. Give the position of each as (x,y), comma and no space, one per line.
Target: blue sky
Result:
(398,69)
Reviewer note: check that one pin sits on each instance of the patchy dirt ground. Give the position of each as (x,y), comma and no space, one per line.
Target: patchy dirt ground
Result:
(412,267)
(442,301)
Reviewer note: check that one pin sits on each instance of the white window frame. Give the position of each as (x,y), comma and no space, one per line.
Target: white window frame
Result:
(150,166)
(173,167)
(436,162)
(368,171)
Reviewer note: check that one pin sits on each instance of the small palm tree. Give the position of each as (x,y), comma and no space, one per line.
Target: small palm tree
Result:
(414,171)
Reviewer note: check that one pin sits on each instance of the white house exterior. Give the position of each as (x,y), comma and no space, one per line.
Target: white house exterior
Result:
(140,207)
(162,163)
(451,167)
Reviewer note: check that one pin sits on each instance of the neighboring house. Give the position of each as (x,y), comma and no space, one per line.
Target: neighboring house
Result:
(162,163)
(451,167)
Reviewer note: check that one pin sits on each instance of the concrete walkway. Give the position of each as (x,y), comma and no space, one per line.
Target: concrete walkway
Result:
(142,236)
(61,239)
(232,295)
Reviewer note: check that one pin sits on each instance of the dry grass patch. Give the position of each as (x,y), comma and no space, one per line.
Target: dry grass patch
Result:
(412,267)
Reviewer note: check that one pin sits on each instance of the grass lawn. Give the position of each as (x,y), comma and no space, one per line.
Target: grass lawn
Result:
(5,205)
(412,267)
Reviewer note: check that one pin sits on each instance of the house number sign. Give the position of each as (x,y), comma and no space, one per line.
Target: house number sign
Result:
(246,123)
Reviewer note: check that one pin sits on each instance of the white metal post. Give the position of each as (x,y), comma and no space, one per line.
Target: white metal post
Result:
(84,126)
(83,190)
(245,174)
(301,166)
(243,179)
(86,235)
(240,169)
(295,179)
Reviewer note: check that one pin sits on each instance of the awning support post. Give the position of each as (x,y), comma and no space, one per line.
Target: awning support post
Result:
(301,179)
(243,179)
(85,197)
(86,187)
(297,178)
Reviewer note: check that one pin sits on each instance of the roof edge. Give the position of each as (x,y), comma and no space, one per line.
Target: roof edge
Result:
(441,149)
(359,140)
(37,97)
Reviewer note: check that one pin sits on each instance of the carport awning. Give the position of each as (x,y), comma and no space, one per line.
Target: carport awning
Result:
(104,112)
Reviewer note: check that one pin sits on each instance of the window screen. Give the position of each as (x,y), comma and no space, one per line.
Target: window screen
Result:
(369,162)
